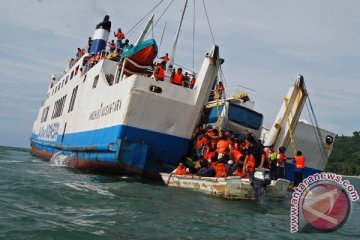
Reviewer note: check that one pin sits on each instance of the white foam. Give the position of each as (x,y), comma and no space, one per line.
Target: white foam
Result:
(89,188)
(60,159)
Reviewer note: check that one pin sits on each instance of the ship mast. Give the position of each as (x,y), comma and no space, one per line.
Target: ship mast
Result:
(172,56)
(146,29)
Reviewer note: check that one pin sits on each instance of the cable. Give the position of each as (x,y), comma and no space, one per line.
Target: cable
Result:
(193,56)
(207,17)
(142,19)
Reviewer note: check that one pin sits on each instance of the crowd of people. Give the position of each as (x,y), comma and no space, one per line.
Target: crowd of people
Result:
(223,154)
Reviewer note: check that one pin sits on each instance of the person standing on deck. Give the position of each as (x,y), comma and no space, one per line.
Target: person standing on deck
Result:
(119,37)
(178,77)
(272,157)
(280,165)
(165,59)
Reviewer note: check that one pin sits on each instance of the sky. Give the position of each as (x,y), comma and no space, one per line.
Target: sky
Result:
(265,44)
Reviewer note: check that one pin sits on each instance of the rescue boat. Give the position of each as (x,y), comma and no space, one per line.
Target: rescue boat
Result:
(231,187)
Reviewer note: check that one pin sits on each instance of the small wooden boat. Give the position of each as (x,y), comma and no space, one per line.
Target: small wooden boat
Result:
(231,187)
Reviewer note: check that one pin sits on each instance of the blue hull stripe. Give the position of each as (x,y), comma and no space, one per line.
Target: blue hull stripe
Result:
(289,171)
(147,150)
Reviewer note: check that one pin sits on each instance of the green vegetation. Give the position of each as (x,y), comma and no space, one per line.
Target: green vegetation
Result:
(345,157)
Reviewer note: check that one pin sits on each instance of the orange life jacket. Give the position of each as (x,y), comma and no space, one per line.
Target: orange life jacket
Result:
(236,154)
(165,59)
(239,173)
(120,35)
(159,73)
(299,162)
(281,158)
(222,145)
(209,155)
(180,170)
(178,78)
(250,163)
(221,170)
(192,82)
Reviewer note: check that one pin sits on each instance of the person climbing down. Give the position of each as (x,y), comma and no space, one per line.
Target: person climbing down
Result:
(299,162)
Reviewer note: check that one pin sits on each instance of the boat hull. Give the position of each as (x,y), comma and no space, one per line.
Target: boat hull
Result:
(120,149)
(230,187)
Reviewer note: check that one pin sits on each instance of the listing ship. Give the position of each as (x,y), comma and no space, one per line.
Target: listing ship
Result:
(116,117)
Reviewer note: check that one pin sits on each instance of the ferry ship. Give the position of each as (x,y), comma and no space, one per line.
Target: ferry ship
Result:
(115,117)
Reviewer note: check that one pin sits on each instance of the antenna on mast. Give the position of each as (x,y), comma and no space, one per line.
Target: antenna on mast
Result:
(172,56)
(145,30)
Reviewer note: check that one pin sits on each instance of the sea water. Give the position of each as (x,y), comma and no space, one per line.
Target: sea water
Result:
(42,200)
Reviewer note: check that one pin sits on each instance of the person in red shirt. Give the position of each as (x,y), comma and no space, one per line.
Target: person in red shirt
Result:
(119,37)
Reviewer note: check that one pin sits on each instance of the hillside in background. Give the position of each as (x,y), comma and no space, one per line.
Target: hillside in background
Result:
(345,157)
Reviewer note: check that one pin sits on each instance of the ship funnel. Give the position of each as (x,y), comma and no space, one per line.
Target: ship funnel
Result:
(101,35)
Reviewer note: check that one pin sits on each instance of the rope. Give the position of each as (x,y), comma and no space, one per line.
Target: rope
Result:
(193,59)
(317,127)
(143,18)
(317,133)
(162,36)
(286,100)
(207,17)
(218,110)
(163,12)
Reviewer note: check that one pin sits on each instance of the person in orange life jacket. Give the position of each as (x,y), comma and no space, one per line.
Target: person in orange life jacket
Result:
(255,148)
(165,59)
(209,152)
(220,167)
(192,81)
(299,161)
(222,144)
(272,156)
(181,169)
(159,72)
(219,90)
(119,37)
(280,164)
(178,77)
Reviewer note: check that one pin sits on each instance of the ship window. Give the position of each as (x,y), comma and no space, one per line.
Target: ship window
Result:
(72,100)
(71,75)
(67,78)
(62,84)
(45,114)
(76,70)
(96,79)
(245,117)
(58,108)
(213,114)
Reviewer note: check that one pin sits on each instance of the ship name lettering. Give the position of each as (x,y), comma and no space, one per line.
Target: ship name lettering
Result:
(106,110)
